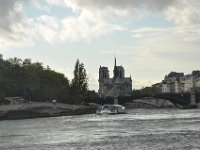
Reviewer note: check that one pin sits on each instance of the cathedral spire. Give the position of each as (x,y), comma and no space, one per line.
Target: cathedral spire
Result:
(115,72)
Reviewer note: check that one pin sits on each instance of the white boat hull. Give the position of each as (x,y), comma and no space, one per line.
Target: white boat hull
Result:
(112,110)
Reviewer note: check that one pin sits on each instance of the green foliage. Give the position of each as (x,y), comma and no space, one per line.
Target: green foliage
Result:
(149,90)
(79,84)
(37,83)
(144,91)
(91,97)
(17,76)
(80,79)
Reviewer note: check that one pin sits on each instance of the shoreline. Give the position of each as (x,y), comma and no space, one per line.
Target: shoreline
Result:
(47,109)
(43,110)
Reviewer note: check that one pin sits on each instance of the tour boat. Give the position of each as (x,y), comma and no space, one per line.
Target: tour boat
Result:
(112,109)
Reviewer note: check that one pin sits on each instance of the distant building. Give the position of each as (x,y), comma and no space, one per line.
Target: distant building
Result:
(119,85)
(179,86)
(198,84)
(196,73)
(179,83)
(174,75)
(165,87)
(188,83)
(192,81)
(173,83)
(196,78)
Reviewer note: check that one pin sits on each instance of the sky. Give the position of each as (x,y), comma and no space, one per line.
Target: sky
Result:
(150,38)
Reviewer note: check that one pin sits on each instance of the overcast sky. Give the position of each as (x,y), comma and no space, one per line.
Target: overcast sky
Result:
(150,38)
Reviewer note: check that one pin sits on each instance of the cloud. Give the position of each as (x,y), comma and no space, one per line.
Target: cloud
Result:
(40,6)
(17,29)
(180,12)
(14,26)
(186,12)
(10,13)
(183,39)
(104,9)
(190,33)
(92,19)
(72,29)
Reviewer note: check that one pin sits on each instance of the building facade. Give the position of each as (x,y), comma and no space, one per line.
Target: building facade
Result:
(198,84)
(188,83)
(117,86)
(165,87)
(172,83)
(179,83)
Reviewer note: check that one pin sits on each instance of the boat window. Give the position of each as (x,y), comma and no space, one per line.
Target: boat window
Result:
(106,107)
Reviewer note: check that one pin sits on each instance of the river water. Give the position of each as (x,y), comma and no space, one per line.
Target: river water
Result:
(140,129)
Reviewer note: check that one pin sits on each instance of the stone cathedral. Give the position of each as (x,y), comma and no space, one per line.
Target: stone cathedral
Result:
(117,86)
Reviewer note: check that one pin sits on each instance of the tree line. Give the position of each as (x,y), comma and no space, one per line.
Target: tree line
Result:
(35,82)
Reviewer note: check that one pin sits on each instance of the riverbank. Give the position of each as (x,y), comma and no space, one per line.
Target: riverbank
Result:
(43,109)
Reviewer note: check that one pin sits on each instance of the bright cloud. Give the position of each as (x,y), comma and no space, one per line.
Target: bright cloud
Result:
(92,18)
(15,28)
(175,45)
(186,12)
(72,29)
(112,8)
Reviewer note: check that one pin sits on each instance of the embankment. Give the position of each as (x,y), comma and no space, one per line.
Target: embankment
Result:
(43,109)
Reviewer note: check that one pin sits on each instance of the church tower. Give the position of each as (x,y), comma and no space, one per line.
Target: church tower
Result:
(103,76)
(103,73)
(118,85)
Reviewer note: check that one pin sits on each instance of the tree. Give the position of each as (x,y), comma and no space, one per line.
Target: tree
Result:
(15,61)
(32,80)
(79,84)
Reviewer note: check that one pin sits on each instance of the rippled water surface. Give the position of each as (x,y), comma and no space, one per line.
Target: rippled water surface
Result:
(140,129)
